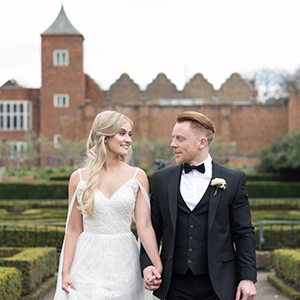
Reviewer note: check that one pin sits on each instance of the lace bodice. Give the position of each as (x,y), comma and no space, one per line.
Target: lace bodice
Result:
(111,215)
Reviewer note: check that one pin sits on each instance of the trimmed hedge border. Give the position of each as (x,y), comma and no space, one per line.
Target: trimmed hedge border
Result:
(32,238)
(273,204)
(42,290)
(59,189)
(34,190)
(274,189)
(286,263)
(10,283)
(35,264)
(15,205)
(283,287)
(277,238)
(262,177)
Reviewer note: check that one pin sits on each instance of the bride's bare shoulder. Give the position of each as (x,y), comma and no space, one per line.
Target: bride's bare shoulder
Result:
(141,176)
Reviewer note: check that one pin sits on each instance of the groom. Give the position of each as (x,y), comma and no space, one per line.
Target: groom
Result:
(208,245)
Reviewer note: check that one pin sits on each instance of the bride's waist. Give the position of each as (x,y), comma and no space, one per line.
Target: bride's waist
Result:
(107,235)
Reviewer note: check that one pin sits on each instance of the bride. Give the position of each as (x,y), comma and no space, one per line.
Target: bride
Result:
(100,255)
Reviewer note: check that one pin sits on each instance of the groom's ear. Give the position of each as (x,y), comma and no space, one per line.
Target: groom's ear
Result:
(202,142)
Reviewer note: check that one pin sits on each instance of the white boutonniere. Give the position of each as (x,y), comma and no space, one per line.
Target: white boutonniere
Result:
(219,183)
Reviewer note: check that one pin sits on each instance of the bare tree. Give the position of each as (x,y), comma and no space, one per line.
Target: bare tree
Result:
(269,83)
(291,81)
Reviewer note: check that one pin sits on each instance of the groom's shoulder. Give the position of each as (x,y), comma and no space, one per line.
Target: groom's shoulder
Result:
(230,171)
(166,171)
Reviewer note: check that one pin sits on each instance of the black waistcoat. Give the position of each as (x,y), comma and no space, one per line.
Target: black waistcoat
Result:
(191,237)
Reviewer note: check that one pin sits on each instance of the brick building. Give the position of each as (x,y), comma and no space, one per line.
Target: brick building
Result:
(65,105)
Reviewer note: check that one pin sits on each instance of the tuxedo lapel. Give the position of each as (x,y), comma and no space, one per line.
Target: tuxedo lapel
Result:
(173,192)
(214,199)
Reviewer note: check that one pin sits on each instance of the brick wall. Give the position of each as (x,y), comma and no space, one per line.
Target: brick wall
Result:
(61,80)
(126,92)
(250,127)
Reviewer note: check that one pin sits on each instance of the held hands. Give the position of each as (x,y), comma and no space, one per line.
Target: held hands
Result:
(152,278)
(67,283)
(245,290)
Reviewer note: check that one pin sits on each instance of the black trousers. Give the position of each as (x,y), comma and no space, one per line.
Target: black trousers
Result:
(191,287)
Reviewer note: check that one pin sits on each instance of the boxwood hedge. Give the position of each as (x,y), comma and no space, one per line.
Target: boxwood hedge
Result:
(10,283)
(35,264)
(286,263)
(59,189)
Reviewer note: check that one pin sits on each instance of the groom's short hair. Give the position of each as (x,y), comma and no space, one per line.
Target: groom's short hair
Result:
(199,121)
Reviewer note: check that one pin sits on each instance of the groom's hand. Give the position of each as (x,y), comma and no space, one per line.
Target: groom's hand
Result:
(246,290)
(152,278)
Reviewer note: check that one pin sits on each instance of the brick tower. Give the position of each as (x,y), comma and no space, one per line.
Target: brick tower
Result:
(63,79)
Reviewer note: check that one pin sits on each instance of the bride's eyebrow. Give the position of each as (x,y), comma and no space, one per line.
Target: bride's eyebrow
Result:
(122,129)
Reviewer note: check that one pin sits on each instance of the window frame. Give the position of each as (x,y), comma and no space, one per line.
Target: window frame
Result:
(12,114)
(58,55)
(57,141)
(58,100)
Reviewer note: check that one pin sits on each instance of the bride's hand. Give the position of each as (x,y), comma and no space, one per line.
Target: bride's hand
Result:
(67,283)
(152,278)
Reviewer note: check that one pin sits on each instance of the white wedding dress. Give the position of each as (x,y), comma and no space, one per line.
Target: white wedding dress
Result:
(106,261)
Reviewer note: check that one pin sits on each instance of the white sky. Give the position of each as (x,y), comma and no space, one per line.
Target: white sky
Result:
(145,37)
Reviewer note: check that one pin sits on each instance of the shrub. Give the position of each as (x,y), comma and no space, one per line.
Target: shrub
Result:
(262,177)
(287,265)
(266,189)
(59,178)
(10,283)
(35,264)
(11,205)
(278,237)
(283,155)
(34,190)
(32,237)
(274,204)
(8,252)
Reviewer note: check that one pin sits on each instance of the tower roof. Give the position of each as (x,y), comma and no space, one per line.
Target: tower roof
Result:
(61,26)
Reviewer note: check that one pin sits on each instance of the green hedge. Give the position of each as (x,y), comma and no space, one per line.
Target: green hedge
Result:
(10,283)
(34,190)
(277,237)
(17,205)
(59,189)
(31,238)
(262,177)
(273,204)
(35,264)
(286,289)
(59,178)
(287,265)
(9,251)
(267,189)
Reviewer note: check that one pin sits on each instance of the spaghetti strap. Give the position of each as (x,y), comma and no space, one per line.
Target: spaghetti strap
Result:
(80,174)
(135,172)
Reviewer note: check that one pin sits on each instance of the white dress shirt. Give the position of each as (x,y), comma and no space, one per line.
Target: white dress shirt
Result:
(194,184)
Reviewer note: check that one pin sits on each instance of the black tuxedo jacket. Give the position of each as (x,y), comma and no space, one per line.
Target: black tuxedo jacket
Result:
(230,234)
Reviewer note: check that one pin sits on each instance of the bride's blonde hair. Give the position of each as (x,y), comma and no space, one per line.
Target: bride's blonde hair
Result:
(106,124)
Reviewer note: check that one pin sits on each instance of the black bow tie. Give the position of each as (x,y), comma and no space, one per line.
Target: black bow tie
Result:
(188,168)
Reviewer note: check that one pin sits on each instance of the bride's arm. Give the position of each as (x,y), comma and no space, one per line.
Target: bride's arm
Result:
(144,225)
(74,229)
